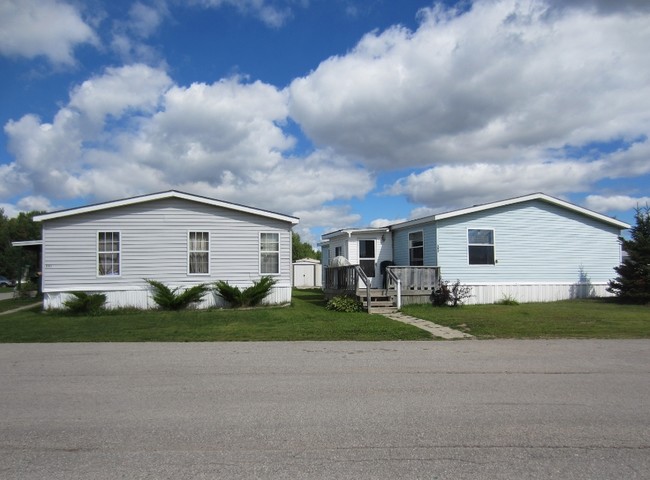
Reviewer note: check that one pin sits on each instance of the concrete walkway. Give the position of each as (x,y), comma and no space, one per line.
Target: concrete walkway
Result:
(435,329)
(25,307)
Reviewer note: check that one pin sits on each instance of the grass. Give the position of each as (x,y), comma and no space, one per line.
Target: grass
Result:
(305,319)
(10,304)
(589,318)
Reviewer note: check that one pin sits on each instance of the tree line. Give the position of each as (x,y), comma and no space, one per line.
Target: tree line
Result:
(14,259)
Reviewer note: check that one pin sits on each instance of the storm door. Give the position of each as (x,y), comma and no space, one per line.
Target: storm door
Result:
(367,257)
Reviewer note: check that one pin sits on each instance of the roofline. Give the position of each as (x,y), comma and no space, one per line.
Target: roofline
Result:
(514,201)
(350,231)
(163,195)
(27,243)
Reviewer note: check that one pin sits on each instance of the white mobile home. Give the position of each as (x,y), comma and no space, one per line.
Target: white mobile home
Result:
(530,248)
(173,237)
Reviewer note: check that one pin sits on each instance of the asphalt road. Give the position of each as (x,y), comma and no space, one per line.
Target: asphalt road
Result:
(413,410)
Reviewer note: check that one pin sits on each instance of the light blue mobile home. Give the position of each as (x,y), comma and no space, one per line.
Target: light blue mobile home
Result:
(173,237)
(530,248)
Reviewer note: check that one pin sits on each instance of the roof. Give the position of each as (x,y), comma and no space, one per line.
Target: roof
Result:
(27,243)
(164,195)
(356,231)
(514,201)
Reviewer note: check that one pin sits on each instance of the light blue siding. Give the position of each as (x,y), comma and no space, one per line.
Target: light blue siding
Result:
(401,244)
(534,242)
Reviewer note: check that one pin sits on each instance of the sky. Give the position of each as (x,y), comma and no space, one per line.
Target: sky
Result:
(343,113)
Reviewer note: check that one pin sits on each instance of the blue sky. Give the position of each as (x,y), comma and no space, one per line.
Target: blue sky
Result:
(343,113)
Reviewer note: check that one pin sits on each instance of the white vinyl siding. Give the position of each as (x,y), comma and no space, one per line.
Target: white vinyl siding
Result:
(269,253)
(108,254)
(401,244)
(198,253)
(154,245)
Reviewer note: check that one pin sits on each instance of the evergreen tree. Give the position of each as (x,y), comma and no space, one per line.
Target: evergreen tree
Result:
(633,282)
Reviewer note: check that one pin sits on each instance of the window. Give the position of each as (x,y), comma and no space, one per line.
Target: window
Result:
(367,257)
(338,251)
(198,248)
(270,253)
(108,253)
(480,246)
(416,249)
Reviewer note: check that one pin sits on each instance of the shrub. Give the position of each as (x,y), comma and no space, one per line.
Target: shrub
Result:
(507,300)
(169,299)
(441,295)
(26,289)
(452,295)
(85,304)
(344,303)
(249,297)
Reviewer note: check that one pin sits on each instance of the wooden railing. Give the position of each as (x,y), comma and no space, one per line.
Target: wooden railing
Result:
(414,278)
(344,279)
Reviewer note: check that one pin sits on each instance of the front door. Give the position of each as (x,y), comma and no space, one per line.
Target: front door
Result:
(367,260)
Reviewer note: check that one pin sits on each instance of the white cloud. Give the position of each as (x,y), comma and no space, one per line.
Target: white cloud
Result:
(56,158)
(271,13)
(131,131)
(129,36)
(502,83)
(614,203)
(453,186)
(51,28)
(384,222)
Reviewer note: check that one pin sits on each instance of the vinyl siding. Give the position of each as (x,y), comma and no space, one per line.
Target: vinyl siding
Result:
(154,245)
(401,244)
(534,242)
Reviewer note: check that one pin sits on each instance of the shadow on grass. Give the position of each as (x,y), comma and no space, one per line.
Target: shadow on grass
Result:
(313,296)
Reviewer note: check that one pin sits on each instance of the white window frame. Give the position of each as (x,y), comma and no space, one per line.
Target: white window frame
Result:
(118,252)
(269,251)
(190,251)
(340,248)
(493,245)
(411,246)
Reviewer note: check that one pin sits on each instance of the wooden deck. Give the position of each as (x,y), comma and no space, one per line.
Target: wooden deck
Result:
(416,286)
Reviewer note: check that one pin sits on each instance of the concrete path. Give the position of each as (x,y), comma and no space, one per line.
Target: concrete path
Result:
(433,328)
(26,307)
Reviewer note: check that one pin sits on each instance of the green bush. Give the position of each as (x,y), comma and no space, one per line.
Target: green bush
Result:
(169,299)
(85,304)
(249,297)
(507,300)
(344,303)
(450,294)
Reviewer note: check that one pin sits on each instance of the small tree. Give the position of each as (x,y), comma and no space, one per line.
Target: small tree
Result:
(632,284)
(450,294)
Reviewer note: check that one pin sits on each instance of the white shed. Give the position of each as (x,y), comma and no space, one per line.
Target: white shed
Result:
(307,273)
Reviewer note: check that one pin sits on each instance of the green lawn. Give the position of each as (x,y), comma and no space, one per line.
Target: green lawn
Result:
(592,318)
(10,304)
(305,319)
